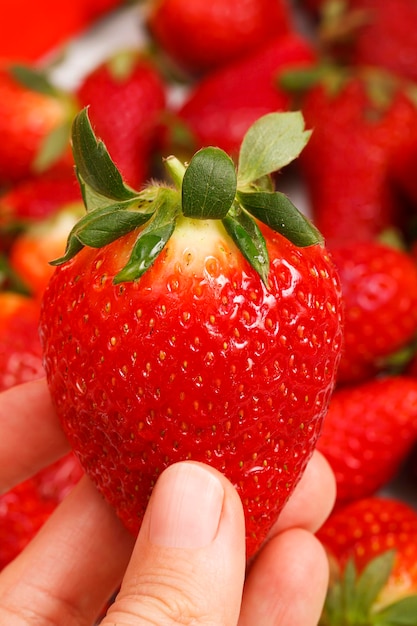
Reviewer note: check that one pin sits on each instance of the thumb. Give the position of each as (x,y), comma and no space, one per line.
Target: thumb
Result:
(188,564)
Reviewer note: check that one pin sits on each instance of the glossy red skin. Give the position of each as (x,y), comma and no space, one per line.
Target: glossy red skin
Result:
(125,112)
(222,106)
(347,163)
(26,119)
(203,365)
(368,432)
(201,36)
(379,286)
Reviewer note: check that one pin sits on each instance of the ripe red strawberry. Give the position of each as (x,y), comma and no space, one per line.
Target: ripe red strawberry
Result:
(361,123)
(221,107)
(25,508)
(40,243)
(126,96)
(379,34)
(20,350)
(372,547)
(163,342)
(30,30)
(368,432)
(35,121)
(379,287)
(37,197)
(200,36)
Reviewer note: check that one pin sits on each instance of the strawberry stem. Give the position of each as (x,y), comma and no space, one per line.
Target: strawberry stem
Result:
(175,169)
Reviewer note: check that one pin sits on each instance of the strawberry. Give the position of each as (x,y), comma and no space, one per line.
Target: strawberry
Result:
(221,107)
(373,33)
(372,547)
(379,286)
(20,350)
(25,508)
(41,242)
(178,325)
(37,197)
(35,121)
(201,36)
(126,96)
(344,531)
(28,30)
(361,122)
(368,432)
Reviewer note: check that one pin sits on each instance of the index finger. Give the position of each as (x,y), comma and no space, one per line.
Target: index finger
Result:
(31,436)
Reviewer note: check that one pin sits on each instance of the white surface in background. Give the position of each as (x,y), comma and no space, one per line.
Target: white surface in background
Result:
(121,29)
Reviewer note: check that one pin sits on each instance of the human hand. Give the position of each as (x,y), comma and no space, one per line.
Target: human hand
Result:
(187,565)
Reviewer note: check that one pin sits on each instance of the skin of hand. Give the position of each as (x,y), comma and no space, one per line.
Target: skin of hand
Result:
(187,565)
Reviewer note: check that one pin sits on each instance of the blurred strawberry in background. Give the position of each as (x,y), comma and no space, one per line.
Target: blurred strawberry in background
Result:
(200,36)
(126,96)
(35,123)
(44,25)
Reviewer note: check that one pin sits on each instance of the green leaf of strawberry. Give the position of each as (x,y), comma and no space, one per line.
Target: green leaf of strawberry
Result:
(95,168)
(350,599)
(271,143)
(52,147)
(401,613)
(209,185)
(33,79)
(208,188)
(250,241)
(153,238)
(277,211)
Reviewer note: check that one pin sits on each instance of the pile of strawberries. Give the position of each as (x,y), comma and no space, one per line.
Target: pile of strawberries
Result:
(351,68)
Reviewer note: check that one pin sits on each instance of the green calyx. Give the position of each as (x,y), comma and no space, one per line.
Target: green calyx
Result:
(352,599)
(210,186)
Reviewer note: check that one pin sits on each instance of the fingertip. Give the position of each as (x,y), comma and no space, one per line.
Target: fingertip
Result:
(290,562)
(190,551)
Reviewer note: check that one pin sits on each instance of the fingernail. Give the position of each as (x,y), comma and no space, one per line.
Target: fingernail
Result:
(186,507)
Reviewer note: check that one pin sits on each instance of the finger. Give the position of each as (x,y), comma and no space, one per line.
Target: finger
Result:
(189,561)
(27,415)
(71,568)
(312,500)
(287,583)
